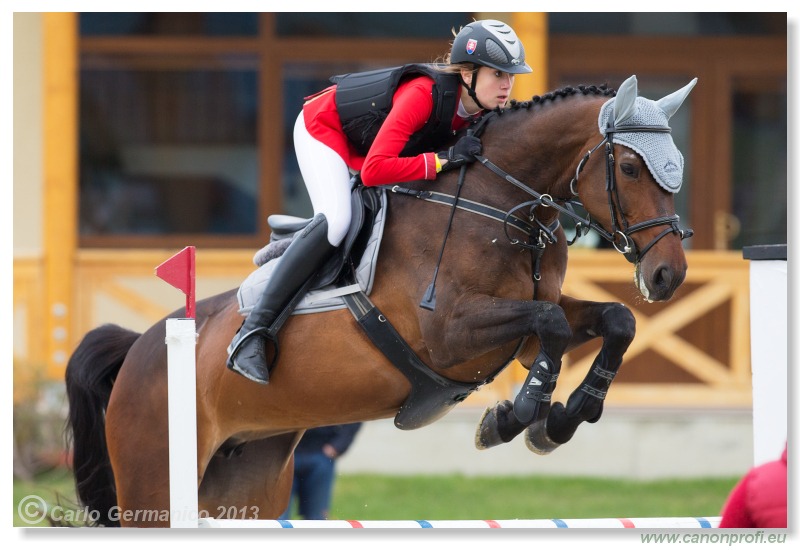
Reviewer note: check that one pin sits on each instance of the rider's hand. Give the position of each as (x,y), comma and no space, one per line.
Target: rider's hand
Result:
(330,451)
(463,152)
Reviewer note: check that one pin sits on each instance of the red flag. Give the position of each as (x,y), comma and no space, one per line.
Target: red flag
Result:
(179,272)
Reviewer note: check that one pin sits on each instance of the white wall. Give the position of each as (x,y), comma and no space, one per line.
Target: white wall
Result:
(28,135)
(769,349)
(623,444)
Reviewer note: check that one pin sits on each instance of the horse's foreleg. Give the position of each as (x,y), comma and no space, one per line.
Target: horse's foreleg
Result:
(506,420)
(615,324)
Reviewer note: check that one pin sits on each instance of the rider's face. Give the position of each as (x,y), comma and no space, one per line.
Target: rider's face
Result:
(493,88)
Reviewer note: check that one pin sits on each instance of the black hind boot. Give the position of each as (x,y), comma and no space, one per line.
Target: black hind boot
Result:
(248,350)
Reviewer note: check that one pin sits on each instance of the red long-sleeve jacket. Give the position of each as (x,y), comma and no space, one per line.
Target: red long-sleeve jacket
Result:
(759,499)
(411,107)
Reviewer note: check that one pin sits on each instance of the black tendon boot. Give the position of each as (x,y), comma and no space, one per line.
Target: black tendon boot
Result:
(248,350)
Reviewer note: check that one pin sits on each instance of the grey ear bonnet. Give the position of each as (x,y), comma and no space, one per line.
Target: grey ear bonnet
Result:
(657,149)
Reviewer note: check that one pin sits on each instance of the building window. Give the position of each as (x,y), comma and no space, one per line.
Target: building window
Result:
(185,118)
(168,145)
(168,24)
(405,25)
(759,163)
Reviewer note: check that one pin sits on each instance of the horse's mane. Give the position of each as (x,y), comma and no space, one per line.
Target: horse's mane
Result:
(601,90)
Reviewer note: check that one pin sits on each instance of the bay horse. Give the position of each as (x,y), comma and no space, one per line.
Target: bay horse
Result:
(498,298)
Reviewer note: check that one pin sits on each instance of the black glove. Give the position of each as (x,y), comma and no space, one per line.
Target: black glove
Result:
(463,152)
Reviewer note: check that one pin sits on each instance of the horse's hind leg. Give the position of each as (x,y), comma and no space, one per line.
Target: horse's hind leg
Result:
(138,444)
(506,420)
(253,481)
(615,324)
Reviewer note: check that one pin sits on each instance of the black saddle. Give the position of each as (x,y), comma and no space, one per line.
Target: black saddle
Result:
(365,206)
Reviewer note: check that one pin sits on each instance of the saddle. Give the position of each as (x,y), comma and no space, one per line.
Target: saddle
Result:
(357,254)
(345,281)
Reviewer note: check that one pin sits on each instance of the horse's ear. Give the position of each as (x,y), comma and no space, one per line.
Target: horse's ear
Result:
(625,101)
(670,104)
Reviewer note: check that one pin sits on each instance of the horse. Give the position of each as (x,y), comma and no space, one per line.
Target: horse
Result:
(497,297)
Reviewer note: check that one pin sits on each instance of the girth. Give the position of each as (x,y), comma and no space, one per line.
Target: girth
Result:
(432,395)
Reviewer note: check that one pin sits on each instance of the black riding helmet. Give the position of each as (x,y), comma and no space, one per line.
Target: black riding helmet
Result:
(490,43)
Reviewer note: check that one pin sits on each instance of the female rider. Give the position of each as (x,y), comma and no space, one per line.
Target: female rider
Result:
(386,125)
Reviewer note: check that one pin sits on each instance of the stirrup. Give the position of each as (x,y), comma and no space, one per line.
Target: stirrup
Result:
(270,334)
(236,343)
(269,362)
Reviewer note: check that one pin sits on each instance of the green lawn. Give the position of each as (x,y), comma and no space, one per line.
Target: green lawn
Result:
(52,487)
(460,497)
(377,497)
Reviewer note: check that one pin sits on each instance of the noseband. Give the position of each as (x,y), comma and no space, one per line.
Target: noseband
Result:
(621,232)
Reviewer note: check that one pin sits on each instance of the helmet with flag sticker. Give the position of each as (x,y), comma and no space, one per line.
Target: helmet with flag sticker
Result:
(490,43)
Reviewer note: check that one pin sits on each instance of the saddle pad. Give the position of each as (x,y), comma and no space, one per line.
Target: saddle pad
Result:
(328,298)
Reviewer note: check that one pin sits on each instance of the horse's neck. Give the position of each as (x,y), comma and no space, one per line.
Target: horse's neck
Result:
(542,147)
(530,162)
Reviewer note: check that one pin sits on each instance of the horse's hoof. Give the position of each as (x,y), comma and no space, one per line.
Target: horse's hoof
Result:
(488,432)
(537,440)
(498,425)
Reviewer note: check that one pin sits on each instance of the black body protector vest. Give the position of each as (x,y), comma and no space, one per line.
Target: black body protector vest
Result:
(364,100)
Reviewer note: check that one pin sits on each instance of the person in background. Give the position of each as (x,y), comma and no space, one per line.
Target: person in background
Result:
(315,468)
(759,499)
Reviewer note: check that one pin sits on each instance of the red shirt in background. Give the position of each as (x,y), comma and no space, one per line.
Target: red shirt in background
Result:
(759,499)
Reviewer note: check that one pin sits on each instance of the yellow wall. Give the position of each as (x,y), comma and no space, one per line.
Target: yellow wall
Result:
(45,183)
(531,28)
(60,116)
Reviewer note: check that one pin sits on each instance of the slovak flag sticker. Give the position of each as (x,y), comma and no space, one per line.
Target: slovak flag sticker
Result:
(472,44)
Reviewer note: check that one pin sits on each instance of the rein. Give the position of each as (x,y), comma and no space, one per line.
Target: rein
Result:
(429,300)
(546,233)
(506,218)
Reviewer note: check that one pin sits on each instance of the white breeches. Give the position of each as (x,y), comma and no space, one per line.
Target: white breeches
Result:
(327,179)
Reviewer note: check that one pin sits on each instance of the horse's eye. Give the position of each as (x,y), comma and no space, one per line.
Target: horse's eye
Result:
(628,169)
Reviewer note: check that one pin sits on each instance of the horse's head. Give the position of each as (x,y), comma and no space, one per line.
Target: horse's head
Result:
(642,169)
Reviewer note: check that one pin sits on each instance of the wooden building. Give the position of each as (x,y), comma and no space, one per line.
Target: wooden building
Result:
(120,117)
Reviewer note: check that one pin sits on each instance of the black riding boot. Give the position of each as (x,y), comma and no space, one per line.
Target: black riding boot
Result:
(248,350)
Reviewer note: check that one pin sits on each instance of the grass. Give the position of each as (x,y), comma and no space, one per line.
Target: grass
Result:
(378,497)
(53,487)
(371,497)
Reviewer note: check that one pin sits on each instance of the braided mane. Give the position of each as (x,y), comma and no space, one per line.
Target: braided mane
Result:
(601,90)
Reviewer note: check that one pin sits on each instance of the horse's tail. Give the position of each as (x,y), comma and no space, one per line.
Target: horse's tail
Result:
(89,377)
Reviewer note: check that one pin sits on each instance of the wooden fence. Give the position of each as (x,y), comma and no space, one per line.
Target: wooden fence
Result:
(691,351)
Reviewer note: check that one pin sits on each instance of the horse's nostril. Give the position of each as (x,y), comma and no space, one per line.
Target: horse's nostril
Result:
(665,282)
(663,278)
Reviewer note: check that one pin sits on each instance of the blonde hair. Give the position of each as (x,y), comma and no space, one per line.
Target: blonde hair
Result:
(442,64)
(443,61)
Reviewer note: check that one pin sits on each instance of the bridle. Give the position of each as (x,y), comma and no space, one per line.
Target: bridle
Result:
(620,235)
